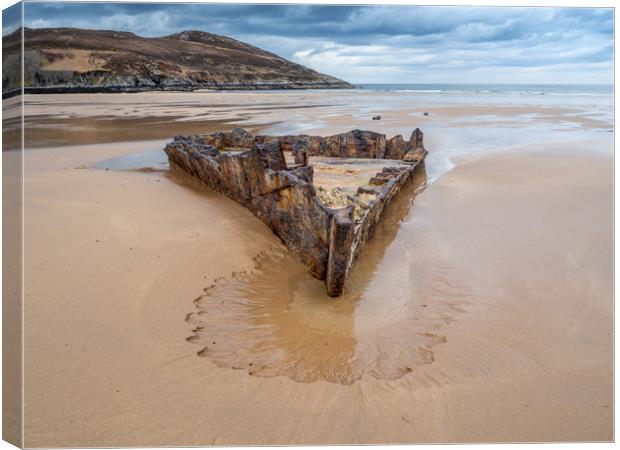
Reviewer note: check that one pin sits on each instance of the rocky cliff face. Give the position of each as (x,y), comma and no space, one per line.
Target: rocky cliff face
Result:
(326,230)
(76,60)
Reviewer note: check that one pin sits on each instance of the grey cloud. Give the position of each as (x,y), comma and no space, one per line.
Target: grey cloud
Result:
(343,40)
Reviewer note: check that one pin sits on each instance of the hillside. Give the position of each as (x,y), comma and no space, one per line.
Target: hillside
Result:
(76,60)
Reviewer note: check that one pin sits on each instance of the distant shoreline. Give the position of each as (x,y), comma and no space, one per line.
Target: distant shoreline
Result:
(417,88)
(191,88)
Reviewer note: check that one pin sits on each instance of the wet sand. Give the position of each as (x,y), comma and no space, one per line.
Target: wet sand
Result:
(481,313)
(65,119)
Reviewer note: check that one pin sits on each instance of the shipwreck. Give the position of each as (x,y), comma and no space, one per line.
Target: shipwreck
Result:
(324,216)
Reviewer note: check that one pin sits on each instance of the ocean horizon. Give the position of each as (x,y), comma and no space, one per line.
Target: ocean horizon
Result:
(479,88)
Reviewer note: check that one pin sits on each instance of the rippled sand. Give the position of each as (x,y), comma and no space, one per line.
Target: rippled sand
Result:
(481,310)
(276,320)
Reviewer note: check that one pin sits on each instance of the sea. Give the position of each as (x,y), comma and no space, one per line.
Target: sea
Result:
(495,89)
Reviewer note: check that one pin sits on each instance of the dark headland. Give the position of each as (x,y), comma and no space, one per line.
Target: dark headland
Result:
(72,60)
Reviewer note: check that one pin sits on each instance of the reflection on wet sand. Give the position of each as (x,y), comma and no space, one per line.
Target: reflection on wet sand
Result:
(276,319)
(47,131)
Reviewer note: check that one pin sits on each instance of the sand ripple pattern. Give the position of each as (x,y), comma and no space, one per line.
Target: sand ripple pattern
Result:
(276,320)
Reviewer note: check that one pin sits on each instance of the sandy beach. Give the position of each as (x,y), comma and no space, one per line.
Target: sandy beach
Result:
(490,280)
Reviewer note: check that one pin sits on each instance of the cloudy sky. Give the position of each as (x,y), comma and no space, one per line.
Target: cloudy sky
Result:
(383,44)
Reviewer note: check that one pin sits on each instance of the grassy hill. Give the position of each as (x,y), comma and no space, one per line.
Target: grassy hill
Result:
(76,60)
